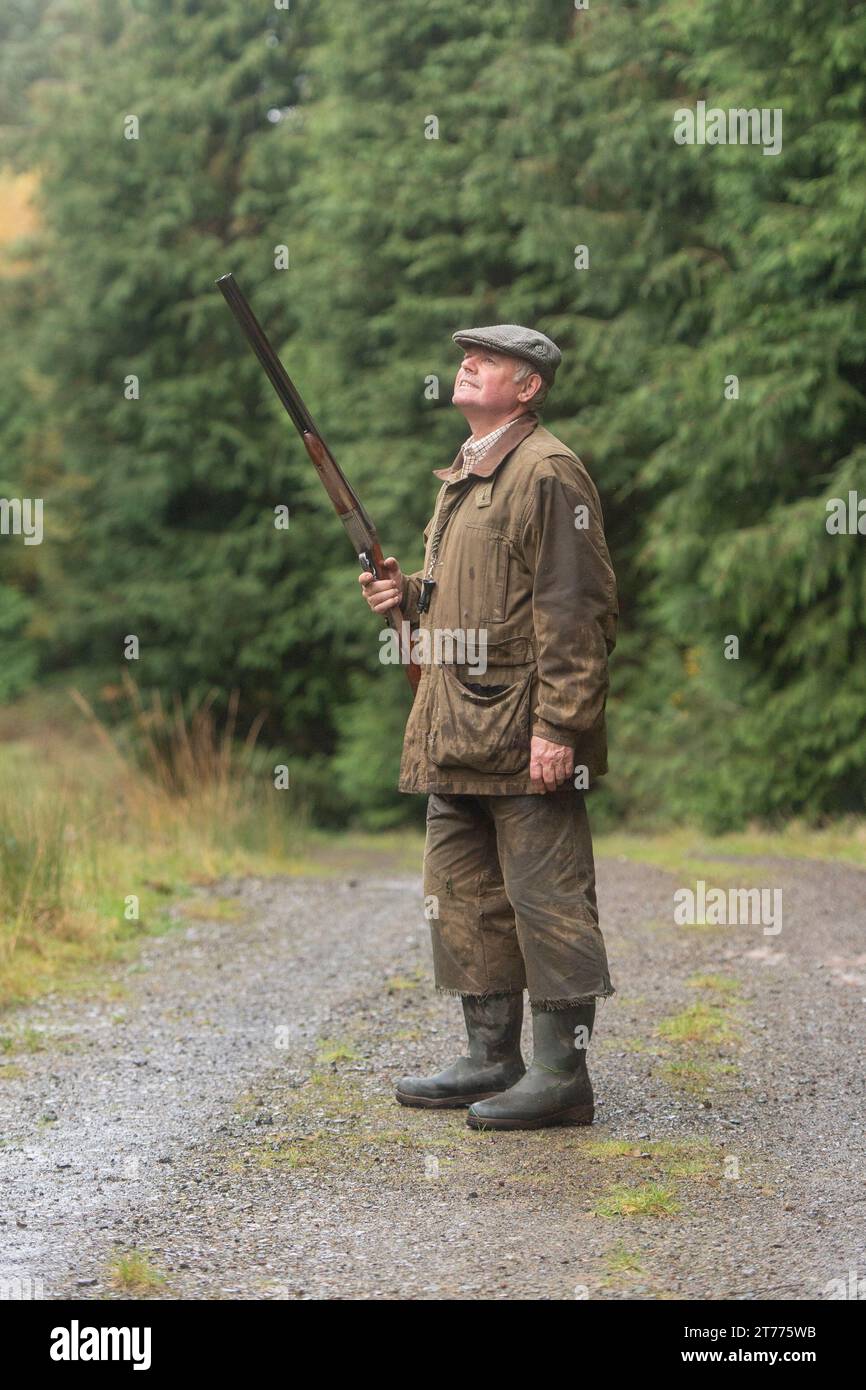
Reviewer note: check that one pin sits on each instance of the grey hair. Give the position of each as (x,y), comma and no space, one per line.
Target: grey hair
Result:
(525,369)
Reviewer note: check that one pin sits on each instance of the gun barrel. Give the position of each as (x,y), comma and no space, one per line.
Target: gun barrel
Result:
(257,338)
(347,504)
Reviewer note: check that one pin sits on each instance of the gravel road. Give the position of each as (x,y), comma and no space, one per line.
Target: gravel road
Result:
(225,1106)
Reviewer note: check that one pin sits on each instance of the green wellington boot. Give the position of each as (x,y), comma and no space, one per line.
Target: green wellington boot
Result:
(556,1090)
(494,1062)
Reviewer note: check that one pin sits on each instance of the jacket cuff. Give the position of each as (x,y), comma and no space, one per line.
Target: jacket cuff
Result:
(553,733)
(409,601)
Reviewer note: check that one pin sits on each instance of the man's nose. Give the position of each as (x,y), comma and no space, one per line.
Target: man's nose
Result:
(469,365)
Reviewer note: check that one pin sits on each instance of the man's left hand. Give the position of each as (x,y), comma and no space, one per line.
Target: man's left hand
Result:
(550,764)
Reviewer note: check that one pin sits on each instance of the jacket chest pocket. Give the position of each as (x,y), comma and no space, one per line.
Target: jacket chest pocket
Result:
(494,554)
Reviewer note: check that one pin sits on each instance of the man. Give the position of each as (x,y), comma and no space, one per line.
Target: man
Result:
(515,551)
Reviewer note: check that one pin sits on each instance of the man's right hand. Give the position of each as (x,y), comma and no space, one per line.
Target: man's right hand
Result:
(384,593)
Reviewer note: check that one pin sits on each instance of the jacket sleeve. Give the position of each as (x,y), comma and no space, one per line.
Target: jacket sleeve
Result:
(574,604)
(412,588)
(411,595)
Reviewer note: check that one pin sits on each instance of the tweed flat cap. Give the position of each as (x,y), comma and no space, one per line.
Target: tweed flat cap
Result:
(516,341)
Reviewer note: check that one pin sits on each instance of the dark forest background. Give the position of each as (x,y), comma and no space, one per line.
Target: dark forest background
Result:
(305,128)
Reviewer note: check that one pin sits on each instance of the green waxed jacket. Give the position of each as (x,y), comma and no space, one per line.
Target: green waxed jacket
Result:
(523,573)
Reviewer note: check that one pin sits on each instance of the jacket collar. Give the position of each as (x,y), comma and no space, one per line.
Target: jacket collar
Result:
(514,435)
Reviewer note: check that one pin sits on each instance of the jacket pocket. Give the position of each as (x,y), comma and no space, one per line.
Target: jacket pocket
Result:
(493,592)
(479,732)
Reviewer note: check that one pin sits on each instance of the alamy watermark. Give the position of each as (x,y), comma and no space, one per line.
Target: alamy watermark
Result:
(77,1343)
(717,907)
(846,518)
(449,646)
(22,516)
(21,1287)
(736,126)
(846,1286)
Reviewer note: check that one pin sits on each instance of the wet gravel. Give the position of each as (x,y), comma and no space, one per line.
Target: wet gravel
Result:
(225,1106)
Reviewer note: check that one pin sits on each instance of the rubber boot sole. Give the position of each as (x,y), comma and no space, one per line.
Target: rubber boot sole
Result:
(573,1115)
(443,1102)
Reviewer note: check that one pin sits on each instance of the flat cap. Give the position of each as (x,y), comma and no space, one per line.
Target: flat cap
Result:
(516,341)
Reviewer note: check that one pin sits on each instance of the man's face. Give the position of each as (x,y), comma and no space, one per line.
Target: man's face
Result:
(485,383)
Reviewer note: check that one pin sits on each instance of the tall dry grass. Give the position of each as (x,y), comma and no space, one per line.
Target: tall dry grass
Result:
(33,860)
(178,755)
(164,796)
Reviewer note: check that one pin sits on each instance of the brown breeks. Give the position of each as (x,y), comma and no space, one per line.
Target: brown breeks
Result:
(510,889)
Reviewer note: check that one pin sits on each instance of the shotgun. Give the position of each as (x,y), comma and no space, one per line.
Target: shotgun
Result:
(358,526)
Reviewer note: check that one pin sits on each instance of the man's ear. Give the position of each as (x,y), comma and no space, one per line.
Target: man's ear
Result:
(530,385)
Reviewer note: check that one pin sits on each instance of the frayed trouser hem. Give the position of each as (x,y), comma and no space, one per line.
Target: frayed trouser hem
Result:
(541,1005)
(471,994)
(549,1005)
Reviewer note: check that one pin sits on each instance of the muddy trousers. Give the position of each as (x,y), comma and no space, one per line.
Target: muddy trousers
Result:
(509,884)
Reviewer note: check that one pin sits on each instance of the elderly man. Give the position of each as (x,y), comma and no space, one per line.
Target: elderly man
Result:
(515,548)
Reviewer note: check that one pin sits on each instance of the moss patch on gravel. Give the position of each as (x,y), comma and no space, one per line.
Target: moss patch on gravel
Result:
(620,1260)
(23,1040)
(706,1036)
(133,1271)
(698,1077)
(699,1023)
(649,1199)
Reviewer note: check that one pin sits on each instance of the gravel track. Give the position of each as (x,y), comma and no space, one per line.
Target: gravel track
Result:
(232,1114)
